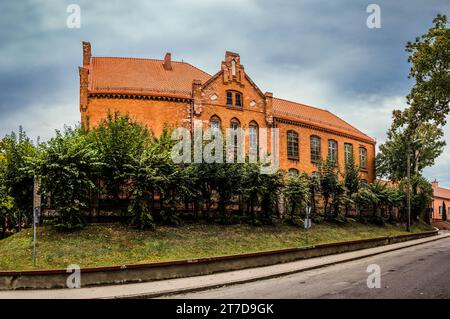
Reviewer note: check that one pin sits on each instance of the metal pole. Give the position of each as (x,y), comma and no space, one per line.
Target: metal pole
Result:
(408,192)
(34,239)
(34,222)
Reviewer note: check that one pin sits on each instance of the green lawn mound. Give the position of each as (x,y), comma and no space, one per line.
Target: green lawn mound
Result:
(115,244)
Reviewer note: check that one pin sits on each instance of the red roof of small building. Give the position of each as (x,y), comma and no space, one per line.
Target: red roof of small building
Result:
(148,76)
(441,192)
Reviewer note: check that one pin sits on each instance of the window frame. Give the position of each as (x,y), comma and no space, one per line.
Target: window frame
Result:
(352,154)
(214,119)
(294,140)
(234,97)
(331,141)
(229,96)
(253,125)
(315,158)
(363,165)
(235,130)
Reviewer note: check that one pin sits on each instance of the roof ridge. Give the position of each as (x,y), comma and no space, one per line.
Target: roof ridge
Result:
(134,58)
(151,59)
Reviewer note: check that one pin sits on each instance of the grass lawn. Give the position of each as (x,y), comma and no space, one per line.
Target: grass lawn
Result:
(115,244)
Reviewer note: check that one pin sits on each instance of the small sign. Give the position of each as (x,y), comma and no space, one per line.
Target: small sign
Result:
(307,223)
(36,190)
(36,215)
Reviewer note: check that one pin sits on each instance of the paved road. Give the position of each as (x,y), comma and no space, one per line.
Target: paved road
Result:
(417,272)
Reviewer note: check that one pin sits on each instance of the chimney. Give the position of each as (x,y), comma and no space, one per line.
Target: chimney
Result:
(167,62)
(86,53)
(197,97)
(434,184)
(269,107)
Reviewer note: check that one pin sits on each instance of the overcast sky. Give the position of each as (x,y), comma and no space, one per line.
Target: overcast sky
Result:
(314,52)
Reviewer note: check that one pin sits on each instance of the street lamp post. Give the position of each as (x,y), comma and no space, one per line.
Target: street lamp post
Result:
(408,191)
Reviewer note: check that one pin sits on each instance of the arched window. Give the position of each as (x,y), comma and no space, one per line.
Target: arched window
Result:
(235,125)
(362,158)
(215,122)
(253,136)
(315,149)
(234,98)
(293,171)
(348,149)
(332,150)
(292,145)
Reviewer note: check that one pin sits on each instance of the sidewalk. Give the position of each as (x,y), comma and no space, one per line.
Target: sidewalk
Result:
(189,284)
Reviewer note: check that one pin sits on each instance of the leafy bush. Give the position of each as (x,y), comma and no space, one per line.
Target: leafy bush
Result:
(68,165)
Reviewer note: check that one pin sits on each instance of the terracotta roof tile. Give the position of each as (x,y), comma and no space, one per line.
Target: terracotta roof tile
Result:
(132,75)
(441,192)
(315,116)
(148,76)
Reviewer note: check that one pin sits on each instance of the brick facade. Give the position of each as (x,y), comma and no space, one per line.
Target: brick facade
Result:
(158,92)
(441,195)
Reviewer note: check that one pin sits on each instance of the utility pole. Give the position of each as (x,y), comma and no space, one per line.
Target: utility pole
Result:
(36,213)
(408,191)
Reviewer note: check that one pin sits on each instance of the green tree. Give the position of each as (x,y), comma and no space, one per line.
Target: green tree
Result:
(6,201)
(351,182)
(421,197)
(417,130)
(68,166)
(330,186)
(118,140)
(297,195)
(18,179)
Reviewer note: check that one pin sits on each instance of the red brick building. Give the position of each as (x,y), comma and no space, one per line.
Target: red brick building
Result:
(157,92)
(441,202)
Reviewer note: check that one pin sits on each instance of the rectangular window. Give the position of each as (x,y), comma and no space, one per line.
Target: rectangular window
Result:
(332,151)
(362,158)
(292,145)
(315,149)
(229,98)
(348,152)
(238,99)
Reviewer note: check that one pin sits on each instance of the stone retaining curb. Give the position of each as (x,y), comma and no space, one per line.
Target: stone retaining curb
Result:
(46,279)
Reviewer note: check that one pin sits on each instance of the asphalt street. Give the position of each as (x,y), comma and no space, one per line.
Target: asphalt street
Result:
(421,271)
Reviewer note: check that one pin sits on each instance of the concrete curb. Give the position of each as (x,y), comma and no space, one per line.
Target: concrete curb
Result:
(47,279)
(275,275)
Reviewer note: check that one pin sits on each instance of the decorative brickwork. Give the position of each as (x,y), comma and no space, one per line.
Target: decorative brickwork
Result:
(158,92)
